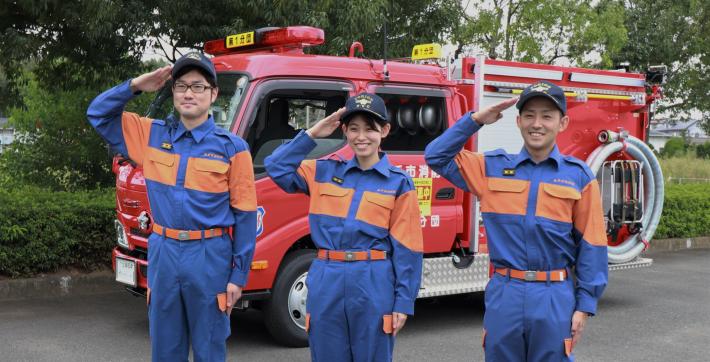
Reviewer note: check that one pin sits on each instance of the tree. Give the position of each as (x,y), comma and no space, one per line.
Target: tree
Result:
(409,22)
(58,55)
(675,33)
(545,31)
(55,147)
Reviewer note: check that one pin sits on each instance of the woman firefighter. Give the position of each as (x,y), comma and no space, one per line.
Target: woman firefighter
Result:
(364,220)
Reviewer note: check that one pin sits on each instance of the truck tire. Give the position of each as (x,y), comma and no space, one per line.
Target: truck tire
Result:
(285,312)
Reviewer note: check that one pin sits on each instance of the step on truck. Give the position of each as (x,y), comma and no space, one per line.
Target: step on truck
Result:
(270,89)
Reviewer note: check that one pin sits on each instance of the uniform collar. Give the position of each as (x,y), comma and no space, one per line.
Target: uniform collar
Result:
(382,166)
(523,156)
(198,133)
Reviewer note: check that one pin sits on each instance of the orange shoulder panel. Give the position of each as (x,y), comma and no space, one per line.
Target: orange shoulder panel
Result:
(589,215)
(405,225)
(136,133)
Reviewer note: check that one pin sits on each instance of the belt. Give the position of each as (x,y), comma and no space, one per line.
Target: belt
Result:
(183,235)
(534,276)
(340,255)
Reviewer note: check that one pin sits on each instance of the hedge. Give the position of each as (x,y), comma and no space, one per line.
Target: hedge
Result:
(686,211)
(43,231)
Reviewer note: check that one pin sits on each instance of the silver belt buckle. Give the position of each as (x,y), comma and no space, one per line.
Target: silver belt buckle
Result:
(183,235)
(349,256)
(530,276)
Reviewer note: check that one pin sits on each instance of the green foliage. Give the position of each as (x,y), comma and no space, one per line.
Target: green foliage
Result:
(703,151)
(409,22)
(543,31)
(686,211)
(674,33)
(687,167)
(675,146)
(55,146)
(43,231)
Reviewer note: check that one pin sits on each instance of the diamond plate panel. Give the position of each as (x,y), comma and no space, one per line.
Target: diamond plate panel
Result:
(636,263)
(440,277)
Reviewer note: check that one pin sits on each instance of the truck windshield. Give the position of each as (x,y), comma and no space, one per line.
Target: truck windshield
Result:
(232,88)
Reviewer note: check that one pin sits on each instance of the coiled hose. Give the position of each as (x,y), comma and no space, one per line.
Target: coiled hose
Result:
(632,246)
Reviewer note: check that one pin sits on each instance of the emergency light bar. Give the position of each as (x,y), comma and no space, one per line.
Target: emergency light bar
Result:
(264,38)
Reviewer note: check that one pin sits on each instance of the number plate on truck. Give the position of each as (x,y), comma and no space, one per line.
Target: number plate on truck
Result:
(126,271)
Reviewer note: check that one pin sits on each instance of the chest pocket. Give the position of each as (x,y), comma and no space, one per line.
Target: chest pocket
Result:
(506,196)
(556,202)
(207,175)
(375,209)
(330,199)
(161,166)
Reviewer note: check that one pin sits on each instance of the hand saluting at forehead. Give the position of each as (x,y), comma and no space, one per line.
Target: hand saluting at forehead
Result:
(152,81)
(492,114)
(326,126)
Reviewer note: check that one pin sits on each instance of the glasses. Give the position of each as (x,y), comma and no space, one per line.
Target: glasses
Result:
(195,88)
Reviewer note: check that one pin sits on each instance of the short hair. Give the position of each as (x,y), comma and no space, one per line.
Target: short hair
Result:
(186,69)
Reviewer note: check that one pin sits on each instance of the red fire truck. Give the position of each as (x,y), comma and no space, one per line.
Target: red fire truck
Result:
(270,89)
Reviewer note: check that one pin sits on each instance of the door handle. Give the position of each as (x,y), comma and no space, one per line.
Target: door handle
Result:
(447,193)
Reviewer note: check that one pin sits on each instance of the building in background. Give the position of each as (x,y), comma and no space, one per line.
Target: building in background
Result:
(7,133)
(665,129)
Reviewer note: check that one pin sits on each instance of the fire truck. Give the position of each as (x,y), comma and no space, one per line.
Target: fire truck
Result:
(270,89)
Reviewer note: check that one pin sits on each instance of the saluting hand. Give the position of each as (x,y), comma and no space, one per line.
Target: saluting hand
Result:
(326,126)
(398,320)
(152,81)
(492,113)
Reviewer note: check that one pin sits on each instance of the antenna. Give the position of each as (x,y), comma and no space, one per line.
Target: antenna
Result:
(384,61)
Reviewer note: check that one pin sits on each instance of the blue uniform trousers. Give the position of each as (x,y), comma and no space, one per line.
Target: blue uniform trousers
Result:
(184,278)
(347,304)
(527,321)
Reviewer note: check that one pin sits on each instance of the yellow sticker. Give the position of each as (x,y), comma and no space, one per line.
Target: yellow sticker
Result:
(239,40)
(426,51)
(424,187)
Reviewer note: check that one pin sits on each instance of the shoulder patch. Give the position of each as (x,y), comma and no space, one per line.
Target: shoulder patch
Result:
(159,122)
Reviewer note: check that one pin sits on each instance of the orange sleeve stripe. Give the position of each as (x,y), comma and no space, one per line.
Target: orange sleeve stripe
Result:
(329,199)
(556,202)
(242,191)
(589,215)
(506,196)
(307,170)
(161,166)
(473,169)
(206,175)
(136,133)
(405,225)
(376,209)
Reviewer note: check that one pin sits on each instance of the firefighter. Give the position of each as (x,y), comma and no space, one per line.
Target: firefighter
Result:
(364,220)
(201,190)
(543,217)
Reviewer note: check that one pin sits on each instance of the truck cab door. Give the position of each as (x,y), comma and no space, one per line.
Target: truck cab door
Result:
(417,116)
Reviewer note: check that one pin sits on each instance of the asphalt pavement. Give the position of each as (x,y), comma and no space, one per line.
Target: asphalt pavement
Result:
(661,313)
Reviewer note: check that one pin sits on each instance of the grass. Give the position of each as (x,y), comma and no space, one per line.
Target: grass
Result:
(685,169)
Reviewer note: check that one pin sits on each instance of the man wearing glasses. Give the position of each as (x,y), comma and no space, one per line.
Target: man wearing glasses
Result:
(200,185)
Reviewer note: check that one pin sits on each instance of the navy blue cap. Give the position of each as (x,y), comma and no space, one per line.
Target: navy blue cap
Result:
(544,89)
(365,103)
(198,60)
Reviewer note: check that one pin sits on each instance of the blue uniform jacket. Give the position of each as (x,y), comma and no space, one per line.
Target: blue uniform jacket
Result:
(352,209)
(542,216)
(196,180)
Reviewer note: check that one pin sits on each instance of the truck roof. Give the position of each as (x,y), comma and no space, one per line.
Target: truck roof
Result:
(267,64)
